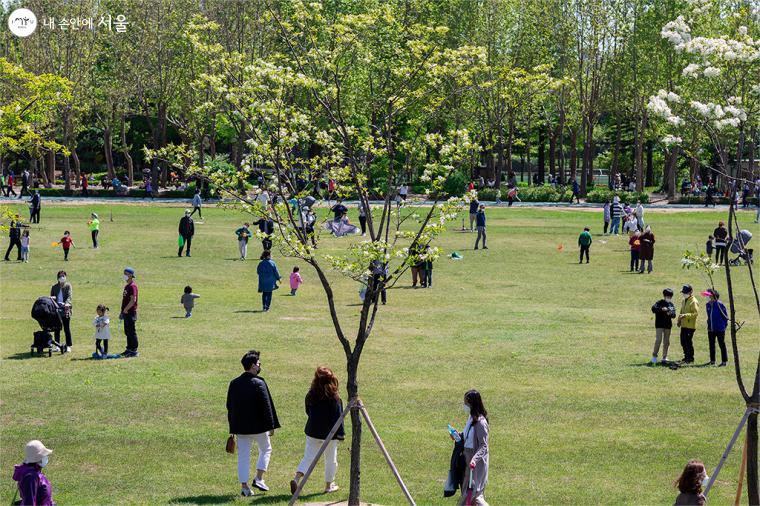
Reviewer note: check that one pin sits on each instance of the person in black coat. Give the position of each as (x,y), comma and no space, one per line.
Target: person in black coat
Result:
(266,227)
(186,230)
(252,417)
(35,205)
(324,409)
(14,234)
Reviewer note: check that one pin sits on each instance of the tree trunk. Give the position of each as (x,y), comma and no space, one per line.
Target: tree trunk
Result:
(510,143)
(751,163)
(552,153)
(573,154)
(66,159)
(125,151)
(753,486)
(500,156)
(616,152)
(638,158)
(77,167)
(352,386)
(108,151)
(162,127)
(527,155)
(541,154)
(670,171)
(50,166)
(588,130)
(650,164)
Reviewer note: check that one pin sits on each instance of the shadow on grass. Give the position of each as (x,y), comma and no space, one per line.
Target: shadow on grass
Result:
(178,317)
(249,311)
(227,498)
(26,356)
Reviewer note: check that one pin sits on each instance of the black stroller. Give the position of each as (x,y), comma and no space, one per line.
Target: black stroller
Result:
(46,311)
(739,246)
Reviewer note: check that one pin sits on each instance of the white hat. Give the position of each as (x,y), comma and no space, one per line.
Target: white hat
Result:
(34,451)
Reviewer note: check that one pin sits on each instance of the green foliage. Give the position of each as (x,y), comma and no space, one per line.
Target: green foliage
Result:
(601,195)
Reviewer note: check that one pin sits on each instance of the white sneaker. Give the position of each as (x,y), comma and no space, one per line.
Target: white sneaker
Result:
(259,484)
(246,492)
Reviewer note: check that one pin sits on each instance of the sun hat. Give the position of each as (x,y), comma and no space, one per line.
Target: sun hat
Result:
(187,211)
(686,289)
(34,451)
(130,270)
(94,215)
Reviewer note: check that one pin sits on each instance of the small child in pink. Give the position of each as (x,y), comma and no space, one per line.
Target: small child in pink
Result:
(295,280)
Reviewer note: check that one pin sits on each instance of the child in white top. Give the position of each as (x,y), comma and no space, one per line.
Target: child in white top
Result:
(25,247)
(102,331)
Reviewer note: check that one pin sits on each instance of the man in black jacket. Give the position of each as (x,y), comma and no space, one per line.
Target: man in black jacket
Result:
(251,416)
(35,204)
(664,312)
(14,233)
(186,231)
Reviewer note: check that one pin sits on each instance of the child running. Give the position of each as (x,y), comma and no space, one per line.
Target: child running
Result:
(188,300)
(102,331)
(25,247)
(66,243)
(295,280)
(664,312)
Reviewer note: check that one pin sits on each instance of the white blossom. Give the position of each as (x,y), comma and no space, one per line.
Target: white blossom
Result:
(691,70)
(711,72)
(669,140)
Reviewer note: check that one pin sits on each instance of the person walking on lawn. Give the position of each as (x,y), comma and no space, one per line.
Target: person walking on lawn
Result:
(197,204)
(474,204)
(576,192)
(14,234)
(584,243)
(186,232)
(268,278)
(687,322)
(252,417)
(480,222)
(717,321)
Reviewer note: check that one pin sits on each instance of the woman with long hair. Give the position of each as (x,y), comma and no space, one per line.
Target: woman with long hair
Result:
(690,484)
(323,409)
(475,450)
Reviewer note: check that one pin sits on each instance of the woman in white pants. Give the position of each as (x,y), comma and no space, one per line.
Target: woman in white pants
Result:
(323,408)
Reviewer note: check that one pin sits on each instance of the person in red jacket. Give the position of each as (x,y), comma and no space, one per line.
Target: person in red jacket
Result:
(635,243)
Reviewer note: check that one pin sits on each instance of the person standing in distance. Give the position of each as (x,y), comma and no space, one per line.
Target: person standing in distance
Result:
(687,322)
(129,312)
(252,417)
(94,224)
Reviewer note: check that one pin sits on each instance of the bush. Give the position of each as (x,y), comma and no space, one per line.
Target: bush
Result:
(718,200)
(601,195)
(545,193)
(101,193)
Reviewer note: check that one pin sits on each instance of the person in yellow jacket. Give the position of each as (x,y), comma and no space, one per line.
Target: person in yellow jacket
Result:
(687,322)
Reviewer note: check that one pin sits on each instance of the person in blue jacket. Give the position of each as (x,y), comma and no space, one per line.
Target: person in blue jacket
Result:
(717,321)
(268,278)
(480,222)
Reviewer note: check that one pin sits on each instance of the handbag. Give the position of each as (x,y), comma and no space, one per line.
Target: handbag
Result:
(230,447)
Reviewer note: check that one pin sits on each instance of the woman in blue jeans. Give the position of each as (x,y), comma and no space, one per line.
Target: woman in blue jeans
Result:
(268,278)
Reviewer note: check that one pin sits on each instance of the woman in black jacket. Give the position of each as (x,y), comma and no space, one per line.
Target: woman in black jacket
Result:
(324,408)
(252,417)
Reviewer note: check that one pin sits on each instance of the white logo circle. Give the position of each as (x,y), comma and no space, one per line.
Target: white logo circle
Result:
(22,22)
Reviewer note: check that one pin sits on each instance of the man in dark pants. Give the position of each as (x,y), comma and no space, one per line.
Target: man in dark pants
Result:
(576,192)
(14,233)
(266,226)
(129,312)
(379,278)
(36,204)
(186,230)
(687,321)
(61,292)
(721,243)
(24,183)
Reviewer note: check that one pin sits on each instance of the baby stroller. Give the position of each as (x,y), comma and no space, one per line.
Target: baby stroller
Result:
(739,246)
(46,311)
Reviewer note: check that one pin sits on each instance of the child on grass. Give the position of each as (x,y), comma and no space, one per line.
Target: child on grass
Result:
(295,280)
(709,245)
(66,243)
(25,246)
(635,243)
(664,312)
(188,300)
(102,331)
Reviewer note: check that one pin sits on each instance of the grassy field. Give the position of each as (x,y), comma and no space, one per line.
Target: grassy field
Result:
(557,349)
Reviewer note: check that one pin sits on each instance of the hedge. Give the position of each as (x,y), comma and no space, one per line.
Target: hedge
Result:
(102,193)
(718,200)
(602,195)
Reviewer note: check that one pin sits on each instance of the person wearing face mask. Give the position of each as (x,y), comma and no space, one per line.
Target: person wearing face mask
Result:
(252,417)
(129,312)
(687,322)
(33,486)
(475,436)
(664,312)
(61,292)
(690,484)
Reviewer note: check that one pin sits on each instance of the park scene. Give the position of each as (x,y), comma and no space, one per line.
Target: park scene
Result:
(385,252)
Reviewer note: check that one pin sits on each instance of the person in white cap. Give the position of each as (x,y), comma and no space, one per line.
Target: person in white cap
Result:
(33,486)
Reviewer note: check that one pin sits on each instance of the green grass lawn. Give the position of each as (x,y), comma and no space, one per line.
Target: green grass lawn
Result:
(557,349)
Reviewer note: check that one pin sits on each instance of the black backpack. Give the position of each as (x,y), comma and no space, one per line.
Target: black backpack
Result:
(45,311)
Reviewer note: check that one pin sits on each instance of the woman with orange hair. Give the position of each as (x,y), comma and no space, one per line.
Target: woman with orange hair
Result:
(323,409)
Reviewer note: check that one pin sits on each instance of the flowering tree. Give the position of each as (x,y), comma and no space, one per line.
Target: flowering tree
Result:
(350,98)
(720,91)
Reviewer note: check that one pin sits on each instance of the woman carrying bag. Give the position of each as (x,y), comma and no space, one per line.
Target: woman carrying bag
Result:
(475,451)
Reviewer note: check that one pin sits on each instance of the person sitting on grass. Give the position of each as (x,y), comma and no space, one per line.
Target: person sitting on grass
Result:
(102,331)
(664,312)
(188,301)
(584,243)
(690,484)
(33,486)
